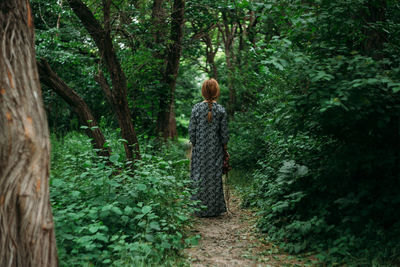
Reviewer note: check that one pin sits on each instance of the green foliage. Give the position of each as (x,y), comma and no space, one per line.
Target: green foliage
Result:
(107,215)
(315,133)
(324,136)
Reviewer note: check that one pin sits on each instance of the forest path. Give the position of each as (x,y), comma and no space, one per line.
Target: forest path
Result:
(231,240)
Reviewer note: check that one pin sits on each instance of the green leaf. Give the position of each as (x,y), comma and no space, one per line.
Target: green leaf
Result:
(395,89)
(154,225)
(149,237)
(114,158)
(182,218)
(100,236)
(128,210)
(56,182)
(84,174)
(165,245)
(75,194)
(93,228)
(114,238)
(146,209)
(193,240)
(116,210)
(141,187)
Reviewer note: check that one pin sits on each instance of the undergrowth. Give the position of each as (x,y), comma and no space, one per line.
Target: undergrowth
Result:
(310,201)
(108,215)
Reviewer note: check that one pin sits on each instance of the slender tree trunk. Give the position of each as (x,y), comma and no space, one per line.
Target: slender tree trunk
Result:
(166,122)
(26,222)
(232,91)
(210,55)
(159,32)
(77,104)
(228,36)
(117,96)
(59,17)
(206,35)
(158,19)
(251,28)
(375,36)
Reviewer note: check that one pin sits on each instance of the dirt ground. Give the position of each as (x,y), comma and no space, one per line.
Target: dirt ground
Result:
(231,240)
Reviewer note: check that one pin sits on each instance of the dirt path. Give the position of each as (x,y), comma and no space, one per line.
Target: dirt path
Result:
(231,240)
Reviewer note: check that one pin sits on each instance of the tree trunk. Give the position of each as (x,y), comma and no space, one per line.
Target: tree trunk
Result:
(159,32)
(77,104)
(26,222)
(158,20)
(118,95)
(375,36)
(166,122)
(228,36)
(251,28)
(210,55)
(232,92)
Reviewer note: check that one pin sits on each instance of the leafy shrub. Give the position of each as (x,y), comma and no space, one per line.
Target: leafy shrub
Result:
(324,133)
(108,215)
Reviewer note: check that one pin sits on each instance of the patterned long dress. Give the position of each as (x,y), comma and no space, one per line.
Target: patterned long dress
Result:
(208,139)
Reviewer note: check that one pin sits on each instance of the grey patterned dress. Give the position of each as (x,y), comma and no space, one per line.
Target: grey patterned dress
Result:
(208,139)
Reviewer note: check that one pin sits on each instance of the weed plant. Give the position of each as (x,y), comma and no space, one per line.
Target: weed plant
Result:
(109,215)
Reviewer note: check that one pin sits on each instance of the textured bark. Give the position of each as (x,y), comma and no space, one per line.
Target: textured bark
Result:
(166,122)
(159,29)
(26,222)
(158,16)
(118,94)
(77,104)
(158,19)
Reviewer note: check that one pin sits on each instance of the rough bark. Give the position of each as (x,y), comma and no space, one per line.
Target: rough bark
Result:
(159,29)
(118,93)
(77,104)
(158,19)
(166,122)
(26,222)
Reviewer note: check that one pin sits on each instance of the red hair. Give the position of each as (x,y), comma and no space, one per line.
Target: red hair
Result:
(210,91)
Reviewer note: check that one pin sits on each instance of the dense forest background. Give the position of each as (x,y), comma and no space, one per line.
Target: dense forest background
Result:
(312,92)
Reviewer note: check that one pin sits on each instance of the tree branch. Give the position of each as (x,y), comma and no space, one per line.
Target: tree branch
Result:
(77,104)
(101,80)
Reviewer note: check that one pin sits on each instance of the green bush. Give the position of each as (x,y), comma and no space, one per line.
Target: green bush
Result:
(108,215)
(322,139)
